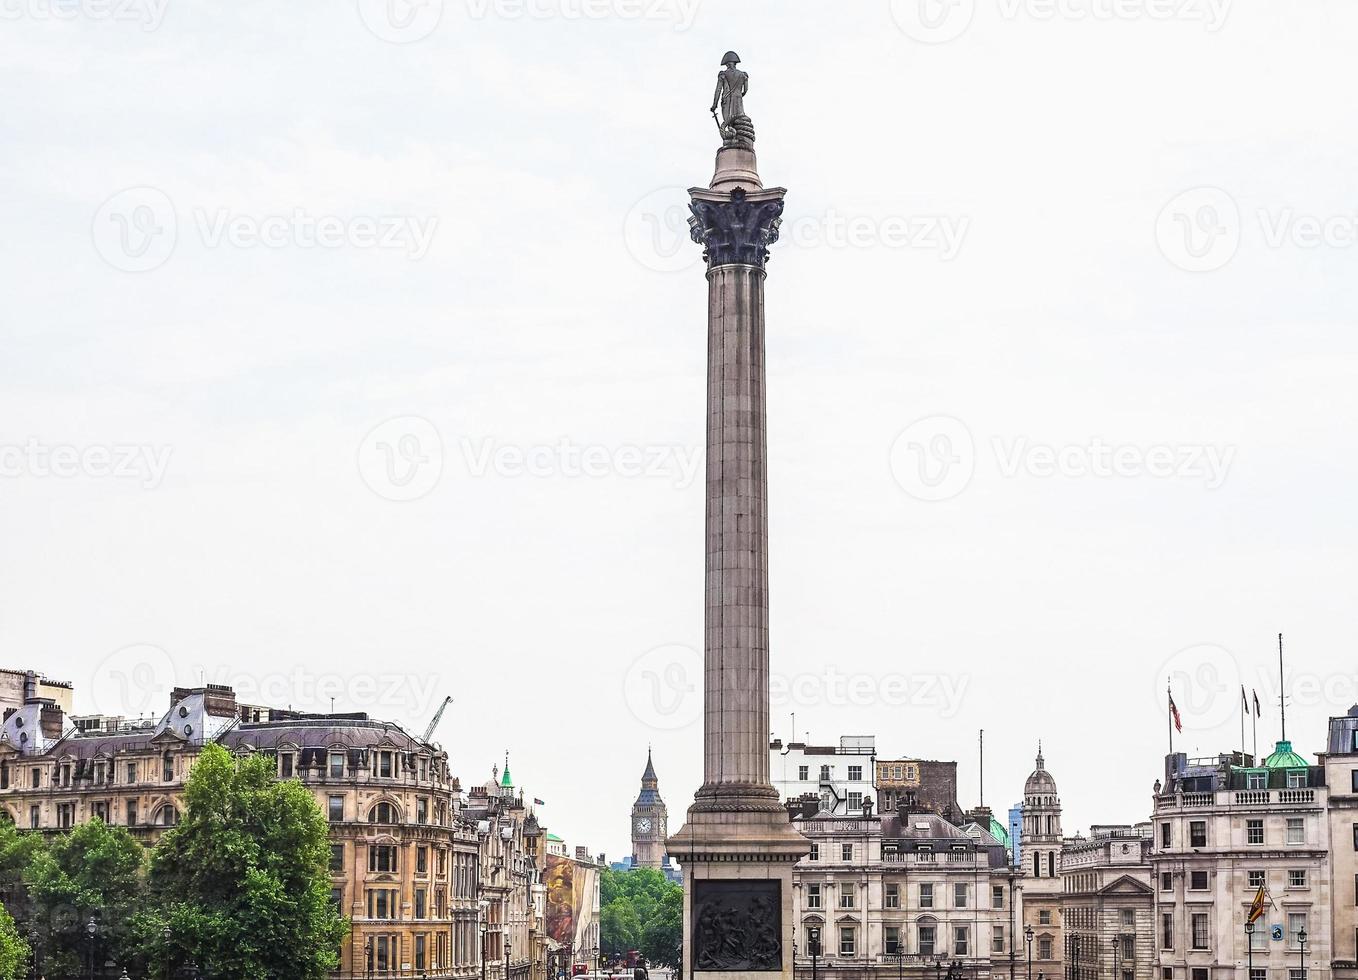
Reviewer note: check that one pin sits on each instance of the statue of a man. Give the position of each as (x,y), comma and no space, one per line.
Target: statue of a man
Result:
(732,86)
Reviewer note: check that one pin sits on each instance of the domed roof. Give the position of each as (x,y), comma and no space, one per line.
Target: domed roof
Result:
(1040,782)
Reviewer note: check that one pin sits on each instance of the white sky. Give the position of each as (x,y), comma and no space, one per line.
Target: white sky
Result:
(556,304)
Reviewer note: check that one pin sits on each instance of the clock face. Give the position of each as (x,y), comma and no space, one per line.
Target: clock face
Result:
(643,825)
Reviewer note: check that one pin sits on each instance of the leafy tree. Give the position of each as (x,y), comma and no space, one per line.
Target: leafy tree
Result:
(14,952)
(16,853)
(241,886)
(619,927)
(92,871)
(662,939)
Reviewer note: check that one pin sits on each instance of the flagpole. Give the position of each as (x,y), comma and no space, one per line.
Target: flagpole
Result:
(1282,691)
(1254,721)
(1244,706)
(1169,711)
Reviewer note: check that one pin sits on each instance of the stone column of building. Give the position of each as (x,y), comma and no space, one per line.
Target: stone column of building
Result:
(737,845)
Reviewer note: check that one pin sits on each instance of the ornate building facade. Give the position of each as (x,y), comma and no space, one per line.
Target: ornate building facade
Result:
(650,822)
(1040,846)
(428,880)
(1107,904)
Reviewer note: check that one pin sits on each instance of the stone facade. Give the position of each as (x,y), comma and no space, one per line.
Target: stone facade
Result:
(421,873)
(1040,844)
(1107,904)
(1341,777)
(1223,827)
(902,894)
(650,822)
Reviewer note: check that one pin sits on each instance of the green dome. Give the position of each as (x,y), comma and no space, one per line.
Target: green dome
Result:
(1284,758)
(1000,832)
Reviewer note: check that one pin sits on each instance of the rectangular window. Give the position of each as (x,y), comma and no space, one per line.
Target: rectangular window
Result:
(1354,776)
(4,776)
(419,951)
(961,941)
(420,900)
(1200,973)
(1197,833)
(1296,922)
(813,896)
(1256,780)
(1198,881)
(336,765)
(285,765)
(892,899)
(846,941)
(846,852)
(1165,837)
(384,765)
(1296,830)
(855,801)
(1166,930)
(926,940)
(1254,831)
(893,940)
(33,817)
(815,852)
(855,774)
(421,810)
(824,774)
(1199,927)
(959,896)
(1258,879)
(381,903)
(421,860)
(131,772)
(1296,779)
(336,809)
(1044,948)
(1259,938)
(382,857)
(336,858)
(1355,837)
(1166,881)
(65,815)
(1044,917)
(997,897)
(803,773)
(1259,973)
(1296,878)
(131,813)
(997,940)
(846,896)
(926,895)
(1129,918)
(36,779)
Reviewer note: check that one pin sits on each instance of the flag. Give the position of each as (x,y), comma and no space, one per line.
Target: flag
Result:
(1257,907)
(538,802)
(1174,713)
(1245,701)
(1257,712)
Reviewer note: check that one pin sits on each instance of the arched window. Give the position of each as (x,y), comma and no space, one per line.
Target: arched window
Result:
(166,816)
(383,812)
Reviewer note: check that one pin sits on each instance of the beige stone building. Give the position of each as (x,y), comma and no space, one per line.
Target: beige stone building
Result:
(902,894)
(1107,904)
(1224,827)
(1341,777)
(1040,850)
(427,880)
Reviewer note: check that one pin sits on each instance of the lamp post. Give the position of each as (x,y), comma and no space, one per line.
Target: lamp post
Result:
(1301,945)
(92,930)
(1028,940)
(166,935)
(900,961)
(813,946)
(504,941)
(484,905)
(368,957)
(1249,950)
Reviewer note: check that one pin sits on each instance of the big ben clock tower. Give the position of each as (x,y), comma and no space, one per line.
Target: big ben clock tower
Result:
(649,822)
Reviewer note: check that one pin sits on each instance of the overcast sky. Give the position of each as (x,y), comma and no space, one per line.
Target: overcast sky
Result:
(357,351)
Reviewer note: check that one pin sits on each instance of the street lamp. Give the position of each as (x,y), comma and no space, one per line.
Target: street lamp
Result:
(1028,940)
(166,935)
(484,905)
(1301,943)
(92,930)
(368,956)
(1249,949)
(813,947)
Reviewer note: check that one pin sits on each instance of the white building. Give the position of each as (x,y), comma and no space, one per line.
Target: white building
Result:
(1223,827)
(839,776)
(1341,777)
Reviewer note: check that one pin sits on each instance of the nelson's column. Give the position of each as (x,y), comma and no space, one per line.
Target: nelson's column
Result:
(737,846)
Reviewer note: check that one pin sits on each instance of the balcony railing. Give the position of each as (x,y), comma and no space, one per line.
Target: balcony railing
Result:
(1233,798)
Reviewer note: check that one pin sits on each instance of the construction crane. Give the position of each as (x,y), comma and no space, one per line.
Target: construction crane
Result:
(437,716)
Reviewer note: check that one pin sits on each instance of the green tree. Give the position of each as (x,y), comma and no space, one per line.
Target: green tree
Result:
(92,871)
(619,927)
(14,952)
(241,886)
(662,938)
